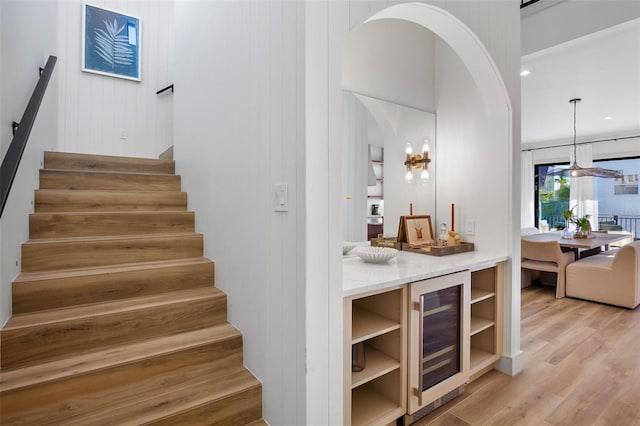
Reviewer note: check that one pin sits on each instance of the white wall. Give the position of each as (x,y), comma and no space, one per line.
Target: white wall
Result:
(375,65)
(497,25)
(472,167)
(239,129)
(95,109)
(27,38)
(570,19)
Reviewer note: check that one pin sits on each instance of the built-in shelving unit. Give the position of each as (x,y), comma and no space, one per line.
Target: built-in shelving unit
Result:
(377,394)
(486,323)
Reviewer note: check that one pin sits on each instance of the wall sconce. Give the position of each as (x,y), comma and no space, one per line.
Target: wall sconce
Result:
(417,161)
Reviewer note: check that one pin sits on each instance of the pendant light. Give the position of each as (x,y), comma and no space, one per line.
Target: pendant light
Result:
(575,170)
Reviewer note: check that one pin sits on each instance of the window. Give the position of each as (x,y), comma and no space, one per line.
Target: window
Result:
(551,195)
(618,200)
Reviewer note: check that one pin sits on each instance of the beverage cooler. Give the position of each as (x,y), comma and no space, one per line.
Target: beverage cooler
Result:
(438,334)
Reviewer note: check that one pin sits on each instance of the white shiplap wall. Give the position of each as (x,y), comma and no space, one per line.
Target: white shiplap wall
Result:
(25,44)
(239,126)
(95,109)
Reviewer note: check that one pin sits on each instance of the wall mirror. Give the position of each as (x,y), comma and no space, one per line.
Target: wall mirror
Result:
(389,98)
(374,181)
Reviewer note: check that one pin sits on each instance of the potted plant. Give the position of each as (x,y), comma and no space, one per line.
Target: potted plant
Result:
(568,217)
(583,225)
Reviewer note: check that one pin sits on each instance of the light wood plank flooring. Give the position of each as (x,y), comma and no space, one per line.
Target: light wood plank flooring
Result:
(582,367)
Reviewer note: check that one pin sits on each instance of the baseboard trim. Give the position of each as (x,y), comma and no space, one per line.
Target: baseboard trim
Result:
(511,365)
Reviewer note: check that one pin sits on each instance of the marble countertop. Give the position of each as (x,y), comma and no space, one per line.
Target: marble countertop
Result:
(359,277)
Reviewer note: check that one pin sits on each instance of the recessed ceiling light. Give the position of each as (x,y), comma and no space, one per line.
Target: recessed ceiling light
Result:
(608,117)
(525,72)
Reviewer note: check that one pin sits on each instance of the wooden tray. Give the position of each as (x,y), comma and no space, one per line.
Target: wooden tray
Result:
(462,247)
(391,242)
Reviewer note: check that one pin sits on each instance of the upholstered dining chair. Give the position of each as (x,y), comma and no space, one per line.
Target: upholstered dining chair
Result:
(546,256)
(612,278)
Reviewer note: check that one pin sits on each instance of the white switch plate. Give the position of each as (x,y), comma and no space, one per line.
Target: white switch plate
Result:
(281,197)
(123,133)
(470,226)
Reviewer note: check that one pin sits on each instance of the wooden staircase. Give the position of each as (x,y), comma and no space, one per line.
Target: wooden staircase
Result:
(116,320)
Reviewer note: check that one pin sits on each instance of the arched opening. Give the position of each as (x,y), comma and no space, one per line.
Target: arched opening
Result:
(474,130)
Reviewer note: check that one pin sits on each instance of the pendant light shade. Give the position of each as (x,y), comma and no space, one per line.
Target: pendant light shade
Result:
(575,170)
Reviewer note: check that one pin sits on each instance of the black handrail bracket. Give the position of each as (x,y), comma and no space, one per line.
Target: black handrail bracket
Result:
(165,89)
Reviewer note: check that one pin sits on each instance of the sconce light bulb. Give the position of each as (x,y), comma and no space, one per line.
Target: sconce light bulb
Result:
(409,176)
(574,173)
(409,150)
(424,175)
(425,147)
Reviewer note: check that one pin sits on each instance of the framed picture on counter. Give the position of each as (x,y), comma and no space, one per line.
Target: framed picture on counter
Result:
(416,229)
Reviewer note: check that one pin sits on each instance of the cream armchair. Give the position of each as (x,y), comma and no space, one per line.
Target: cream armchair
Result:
(546,256)
(607,278)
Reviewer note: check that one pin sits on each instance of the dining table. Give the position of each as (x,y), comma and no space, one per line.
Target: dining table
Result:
(582,247)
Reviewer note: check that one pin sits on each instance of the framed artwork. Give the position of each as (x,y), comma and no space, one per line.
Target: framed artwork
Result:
(111,43)
(418,229)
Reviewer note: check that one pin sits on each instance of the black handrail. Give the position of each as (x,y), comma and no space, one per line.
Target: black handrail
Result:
(165,89)
(525,3)
(11,160)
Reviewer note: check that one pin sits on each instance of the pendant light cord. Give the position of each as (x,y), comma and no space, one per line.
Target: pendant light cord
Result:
(575,154)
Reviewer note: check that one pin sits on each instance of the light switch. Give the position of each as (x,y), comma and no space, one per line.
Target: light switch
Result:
(281,197)
(470,226)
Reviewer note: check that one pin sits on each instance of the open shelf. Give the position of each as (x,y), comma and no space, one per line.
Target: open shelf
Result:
(478,295)
(367,324)
(371,407)
(376,396)
(480,359)
(479,324)
(377,364)
(486,318)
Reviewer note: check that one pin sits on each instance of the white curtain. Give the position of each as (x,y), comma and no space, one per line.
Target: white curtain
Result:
(526,192)
(582,189)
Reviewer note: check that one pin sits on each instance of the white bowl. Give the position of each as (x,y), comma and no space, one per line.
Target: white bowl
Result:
(376,254)
(347,247)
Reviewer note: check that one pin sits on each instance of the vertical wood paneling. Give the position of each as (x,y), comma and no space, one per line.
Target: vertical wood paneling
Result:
(339,27)
(278,295)
(94,108)
(243,101)
(301,238)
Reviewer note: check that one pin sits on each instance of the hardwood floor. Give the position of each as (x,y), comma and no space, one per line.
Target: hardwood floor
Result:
(582,367)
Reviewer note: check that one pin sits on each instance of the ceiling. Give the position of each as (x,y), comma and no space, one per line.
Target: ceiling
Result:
(602,68)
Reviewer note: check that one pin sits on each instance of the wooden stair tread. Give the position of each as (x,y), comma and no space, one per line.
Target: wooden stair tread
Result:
(106,172)
(117,213)
(80,224)
(103,200)
(32,319)
(76,252)
(108,269)
(17,377)
(108,238)
(67,160)
(120,180)
(259,422)
(136,411)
